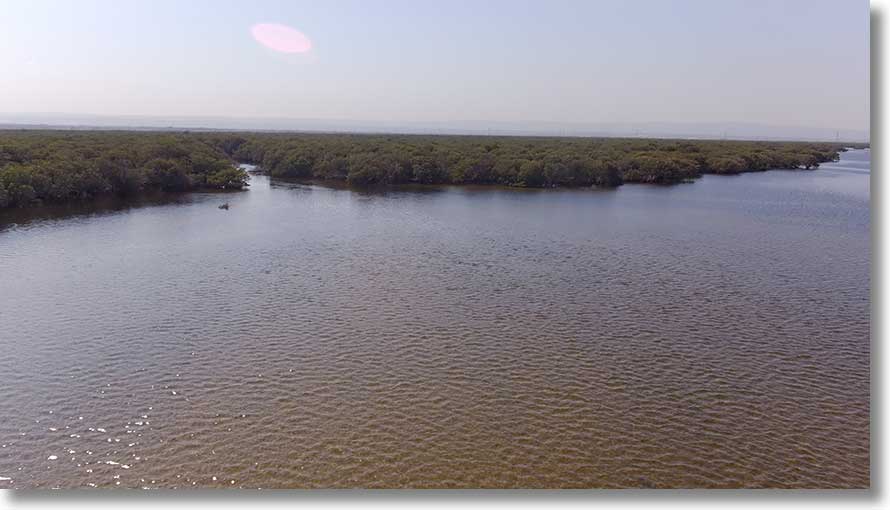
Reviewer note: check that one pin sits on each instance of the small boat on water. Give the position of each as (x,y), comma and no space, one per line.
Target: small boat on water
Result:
(225,206)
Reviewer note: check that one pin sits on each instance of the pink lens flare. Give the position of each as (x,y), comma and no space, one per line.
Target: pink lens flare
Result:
(281,38)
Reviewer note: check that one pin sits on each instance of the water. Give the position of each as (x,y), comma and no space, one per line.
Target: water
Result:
(713,334)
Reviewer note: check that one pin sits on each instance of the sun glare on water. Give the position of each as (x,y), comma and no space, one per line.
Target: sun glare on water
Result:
(281,38)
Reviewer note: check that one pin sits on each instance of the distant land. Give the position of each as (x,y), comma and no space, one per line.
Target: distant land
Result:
(38,167)
(690,130)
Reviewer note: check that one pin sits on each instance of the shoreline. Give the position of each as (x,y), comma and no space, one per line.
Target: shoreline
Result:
(50,168)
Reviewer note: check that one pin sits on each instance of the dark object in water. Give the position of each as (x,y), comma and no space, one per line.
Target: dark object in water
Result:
(225,206)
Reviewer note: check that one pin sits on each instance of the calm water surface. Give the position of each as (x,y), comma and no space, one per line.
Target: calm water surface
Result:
(713,334)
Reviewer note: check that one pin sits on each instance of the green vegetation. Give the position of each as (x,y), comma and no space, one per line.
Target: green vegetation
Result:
(45,166)
(513,161)
(56,166)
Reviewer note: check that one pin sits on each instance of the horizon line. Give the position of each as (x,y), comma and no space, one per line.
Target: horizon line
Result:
(22,126)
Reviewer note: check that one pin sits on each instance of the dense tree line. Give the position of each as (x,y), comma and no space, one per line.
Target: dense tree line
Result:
(513,161)
(41,166)
(56,166)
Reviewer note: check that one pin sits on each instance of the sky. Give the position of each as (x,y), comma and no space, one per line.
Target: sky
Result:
(773,62)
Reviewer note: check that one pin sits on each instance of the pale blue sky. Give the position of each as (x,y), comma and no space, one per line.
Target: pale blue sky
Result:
(802,63)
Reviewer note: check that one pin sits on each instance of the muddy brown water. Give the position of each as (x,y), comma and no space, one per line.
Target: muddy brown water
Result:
(713,334)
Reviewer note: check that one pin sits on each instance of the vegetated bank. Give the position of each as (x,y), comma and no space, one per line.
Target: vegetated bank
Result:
(40,166)
(515,161)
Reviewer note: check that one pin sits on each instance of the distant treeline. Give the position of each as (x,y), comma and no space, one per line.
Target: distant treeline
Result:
(514,161)
(42,166)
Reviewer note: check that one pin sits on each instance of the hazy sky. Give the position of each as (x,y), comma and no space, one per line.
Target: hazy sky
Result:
(803,63)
